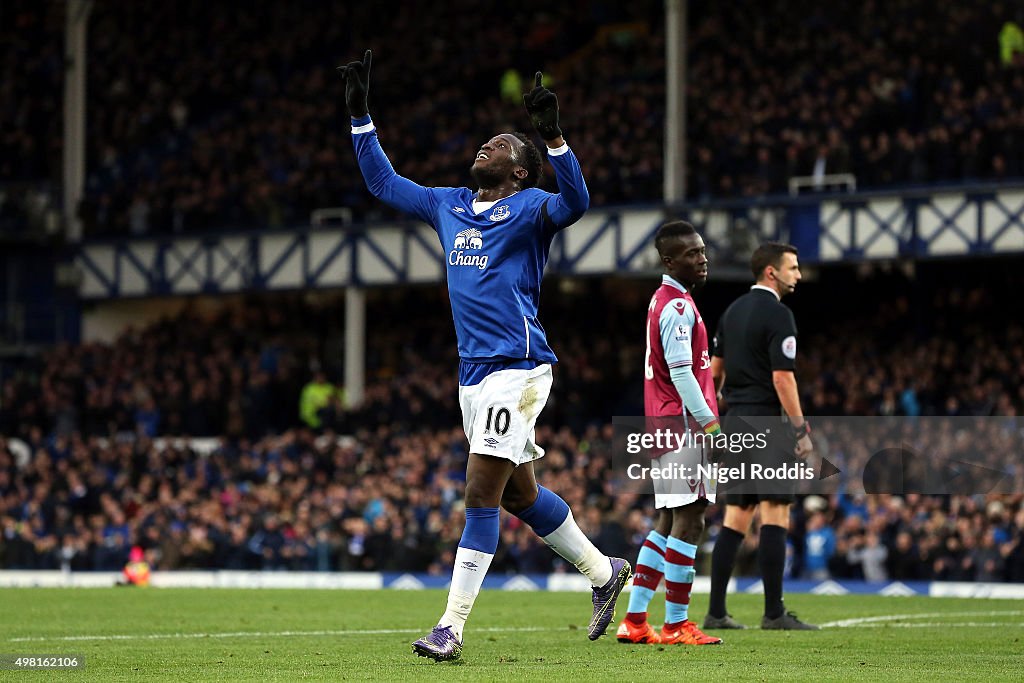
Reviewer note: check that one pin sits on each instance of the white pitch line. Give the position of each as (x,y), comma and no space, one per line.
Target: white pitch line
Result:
(862,621)
(251,634)
(877,621)
(946,624)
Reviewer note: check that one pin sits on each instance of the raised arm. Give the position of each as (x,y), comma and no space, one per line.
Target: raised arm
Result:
(381,178)
(573,199)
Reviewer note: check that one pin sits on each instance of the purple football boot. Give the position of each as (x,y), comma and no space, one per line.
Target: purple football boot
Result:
(605,597)
(440,644)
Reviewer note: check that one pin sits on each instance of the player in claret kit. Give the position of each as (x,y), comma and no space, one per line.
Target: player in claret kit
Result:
(677,384)
(496,243)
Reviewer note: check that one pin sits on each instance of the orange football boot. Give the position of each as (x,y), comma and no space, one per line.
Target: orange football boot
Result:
(688,634)
(637,633)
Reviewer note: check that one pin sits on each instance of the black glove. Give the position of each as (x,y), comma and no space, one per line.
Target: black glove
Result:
(542,106)
(799,433)
(357,85)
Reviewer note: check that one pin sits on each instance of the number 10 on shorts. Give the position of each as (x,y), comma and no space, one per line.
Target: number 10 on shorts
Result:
(499,419)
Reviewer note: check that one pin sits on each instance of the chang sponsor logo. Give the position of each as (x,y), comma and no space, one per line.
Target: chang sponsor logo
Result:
(458,257)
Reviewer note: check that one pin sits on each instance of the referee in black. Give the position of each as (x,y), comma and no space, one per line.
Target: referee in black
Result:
(752,363)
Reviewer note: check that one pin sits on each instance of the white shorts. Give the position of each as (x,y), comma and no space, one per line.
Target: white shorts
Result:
(500,413)
(681,491)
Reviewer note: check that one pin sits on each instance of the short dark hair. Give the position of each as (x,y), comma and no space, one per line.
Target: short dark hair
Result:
(670,231)
(531,161)
(769,254)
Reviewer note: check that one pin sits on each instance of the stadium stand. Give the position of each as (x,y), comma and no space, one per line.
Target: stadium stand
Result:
(190,437)
(107,465)
(241,128)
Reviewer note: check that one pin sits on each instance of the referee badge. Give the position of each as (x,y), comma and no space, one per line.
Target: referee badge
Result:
(789,347)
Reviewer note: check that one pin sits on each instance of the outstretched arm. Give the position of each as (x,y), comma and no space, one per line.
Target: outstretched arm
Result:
(573,199)
(381,178)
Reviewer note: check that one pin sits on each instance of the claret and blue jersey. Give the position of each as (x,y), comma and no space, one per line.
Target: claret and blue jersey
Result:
(495,259)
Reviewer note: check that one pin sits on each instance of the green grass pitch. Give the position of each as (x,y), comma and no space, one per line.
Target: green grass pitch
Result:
(130,634)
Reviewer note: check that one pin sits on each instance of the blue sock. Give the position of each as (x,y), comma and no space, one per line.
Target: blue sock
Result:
(650,566)
(679,572)
(547,512)
(481,532)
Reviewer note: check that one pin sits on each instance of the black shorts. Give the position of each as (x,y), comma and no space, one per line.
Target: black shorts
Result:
(778,453)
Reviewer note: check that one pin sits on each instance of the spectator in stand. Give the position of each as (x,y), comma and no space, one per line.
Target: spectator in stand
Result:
(80,492)
(870,554)
(819,547)
(903,560)
(316,396)
(237,136)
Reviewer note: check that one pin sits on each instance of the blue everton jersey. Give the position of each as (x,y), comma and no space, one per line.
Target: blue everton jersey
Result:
(495,259)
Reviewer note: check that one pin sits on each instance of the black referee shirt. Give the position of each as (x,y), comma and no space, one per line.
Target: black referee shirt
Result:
(756,335)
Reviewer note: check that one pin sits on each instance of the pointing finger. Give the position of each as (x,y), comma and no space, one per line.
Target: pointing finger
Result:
(366,60)
(537,79)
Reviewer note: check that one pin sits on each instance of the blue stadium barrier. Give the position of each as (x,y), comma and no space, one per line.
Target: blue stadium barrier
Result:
(521,582)
(931,222)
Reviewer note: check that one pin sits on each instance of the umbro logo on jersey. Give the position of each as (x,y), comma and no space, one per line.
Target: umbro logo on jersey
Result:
(471,566)
(491,442)
(500,213)
(458,209)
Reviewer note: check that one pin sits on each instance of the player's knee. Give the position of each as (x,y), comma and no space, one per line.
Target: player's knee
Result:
(695,530)
(517,501)
(474,500)
(688,525)
(481,496)
(664,525)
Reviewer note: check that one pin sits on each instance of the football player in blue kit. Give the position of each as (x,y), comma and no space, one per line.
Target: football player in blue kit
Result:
(496,242)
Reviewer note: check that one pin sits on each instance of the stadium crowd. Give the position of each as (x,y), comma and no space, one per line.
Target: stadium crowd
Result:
(238,126)
(95,458)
